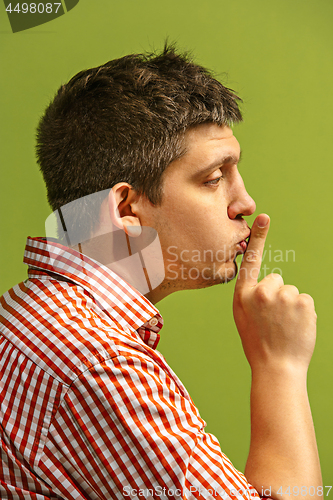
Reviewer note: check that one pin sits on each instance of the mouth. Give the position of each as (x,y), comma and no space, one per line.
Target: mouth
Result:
(243,244)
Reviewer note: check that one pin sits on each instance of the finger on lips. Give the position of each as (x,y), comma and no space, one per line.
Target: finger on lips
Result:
(250,267)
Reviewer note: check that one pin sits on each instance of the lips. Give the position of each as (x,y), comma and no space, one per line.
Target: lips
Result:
(244,243)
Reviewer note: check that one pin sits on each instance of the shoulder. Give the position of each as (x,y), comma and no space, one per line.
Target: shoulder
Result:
(59,327)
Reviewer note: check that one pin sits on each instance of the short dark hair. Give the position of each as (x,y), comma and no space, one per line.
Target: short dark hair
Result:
(125,121)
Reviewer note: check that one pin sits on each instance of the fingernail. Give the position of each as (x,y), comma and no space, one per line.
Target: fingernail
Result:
(262,220)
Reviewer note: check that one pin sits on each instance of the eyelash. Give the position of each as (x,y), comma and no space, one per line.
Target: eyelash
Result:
(216,181)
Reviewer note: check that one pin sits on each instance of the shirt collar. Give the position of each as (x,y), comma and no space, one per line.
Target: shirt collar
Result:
(125,305)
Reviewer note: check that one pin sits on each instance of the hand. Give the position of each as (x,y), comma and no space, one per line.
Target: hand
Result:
(276,323)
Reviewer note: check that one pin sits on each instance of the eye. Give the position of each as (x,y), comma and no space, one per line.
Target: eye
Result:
(214,182)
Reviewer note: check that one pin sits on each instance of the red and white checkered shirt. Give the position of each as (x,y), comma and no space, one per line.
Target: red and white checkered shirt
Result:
(89,408)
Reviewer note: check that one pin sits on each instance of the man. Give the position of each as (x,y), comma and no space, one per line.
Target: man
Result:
(90,409)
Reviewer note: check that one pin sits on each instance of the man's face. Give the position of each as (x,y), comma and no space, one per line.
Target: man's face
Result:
(200,220)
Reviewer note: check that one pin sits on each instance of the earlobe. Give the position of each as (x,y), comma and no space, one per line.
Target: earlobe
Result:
(133,231)
(122,198)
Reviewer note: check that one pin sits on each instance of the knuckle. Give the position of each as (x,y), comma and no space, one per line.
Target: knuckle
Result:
(261,235)
(284,295)
(262,294)
(288,293)
(305,300)
(252,256)
(277,277)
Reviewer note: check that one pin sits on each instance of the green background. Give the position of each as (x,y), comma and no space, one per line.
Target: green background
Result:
(278,56)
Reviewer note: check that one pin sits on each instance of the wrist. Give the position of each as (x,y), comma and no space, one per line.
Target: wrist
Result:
(279,368)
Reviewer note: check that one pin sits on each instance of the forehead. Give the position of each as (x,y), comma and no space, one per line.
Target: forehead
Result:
(206,145)
(210,136)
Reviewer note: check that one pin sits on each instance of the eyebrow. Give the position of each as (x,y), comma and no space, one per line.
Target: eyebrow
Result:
(228,158)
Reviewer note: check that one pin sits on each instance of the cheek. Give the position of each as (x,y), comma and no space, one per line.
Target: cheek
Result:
(200,220)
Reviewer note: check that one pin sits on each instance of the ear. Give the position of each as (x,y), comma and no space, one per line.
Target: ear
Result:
(122,208)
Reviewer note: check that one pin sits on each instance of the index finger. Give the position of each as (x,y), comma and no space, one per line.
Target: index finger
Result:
(250,267)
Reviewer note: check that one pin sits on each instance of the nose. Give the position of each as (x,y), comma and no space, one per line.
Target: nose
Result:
(241,203)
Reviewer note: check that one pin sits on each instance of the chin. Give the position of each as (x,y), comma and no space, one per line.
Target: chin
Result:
(216,276)
(191,278)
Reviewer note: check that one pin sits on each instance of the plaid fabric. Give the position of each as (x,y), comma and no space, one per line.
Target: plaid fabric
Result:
(89,408)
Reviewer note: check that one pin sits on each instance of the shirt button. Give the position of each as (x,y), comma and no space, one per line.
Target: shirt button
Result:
(153,321)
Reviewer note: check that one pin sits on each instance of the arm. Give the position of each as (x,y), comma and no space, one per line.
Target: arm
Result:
(277,326)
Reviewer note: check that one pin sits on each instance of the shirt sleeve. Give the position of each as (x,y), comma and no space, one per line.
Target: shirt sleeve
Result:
(125,430)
